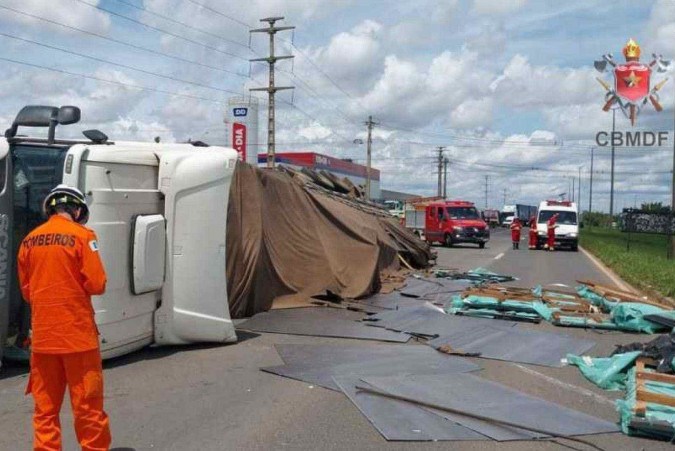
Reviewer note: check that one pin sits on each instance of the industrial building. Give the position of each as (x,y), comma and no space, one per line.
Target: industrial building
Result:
(356,173)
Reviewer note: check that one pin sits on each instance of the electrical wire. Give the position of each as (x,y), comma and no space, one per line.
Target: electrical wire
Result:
(124,43)
(220,13)
(183,24)
(114,82)
(125,66)
(161,30)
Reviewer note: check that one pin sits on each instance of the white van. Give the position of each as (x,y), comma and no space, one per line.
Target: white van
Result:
(567,232)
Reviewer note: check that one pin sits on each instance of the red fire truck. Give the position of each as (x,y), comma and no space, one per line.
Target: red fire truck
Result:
(455,221)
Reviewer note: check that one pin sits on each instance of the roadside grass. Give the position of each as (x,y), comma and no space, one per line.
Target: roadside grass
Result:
(645,265)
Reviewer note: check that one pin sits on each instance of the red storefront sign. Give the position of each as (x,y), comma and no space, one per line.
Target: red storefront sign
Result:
(239,139)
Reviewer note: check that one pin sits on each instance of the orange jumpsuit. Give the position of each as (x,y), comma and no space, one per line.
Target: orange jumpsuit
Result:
(533,234)
(59,270)
(550,230)
(515,233)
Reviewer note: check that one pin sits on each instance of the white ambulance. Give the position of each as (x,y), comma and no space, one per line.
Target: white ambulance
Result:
(567,232)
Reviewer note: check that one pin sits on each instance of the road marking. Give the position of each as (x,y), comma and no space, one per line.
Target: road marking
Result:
(570,387)
(499,256)
(620,283)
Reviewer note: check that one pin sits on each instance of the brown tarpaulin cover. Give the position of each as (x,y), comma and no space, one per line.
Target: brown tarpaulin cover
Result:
(288,242)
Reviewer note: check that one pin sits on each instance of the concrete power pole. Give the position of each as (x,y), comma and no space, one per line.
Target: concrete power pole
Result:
(611,183)
(271,88)
(445,178)
(505,191)
(671,249)
(590,185)
(369,146)
(579,191)
(573,188)
(487,182)
(440,150)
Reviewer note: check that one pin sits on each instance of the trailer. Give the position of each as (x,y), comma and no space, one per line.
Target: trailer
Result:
(160,213)
(523,212)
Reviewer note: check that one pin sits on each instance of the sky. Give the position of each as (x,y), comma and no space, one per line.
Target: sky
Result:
(508,86)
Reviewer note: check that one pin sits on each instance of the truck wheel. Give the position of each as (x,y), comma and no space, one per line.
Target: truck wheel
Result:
(481,245)
(448,240)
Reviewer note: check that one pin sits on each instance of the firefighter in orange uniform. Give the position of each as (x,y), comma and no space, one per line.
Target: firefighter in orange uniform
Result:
(550,232)
(533,233)
(59,270)
(516,227)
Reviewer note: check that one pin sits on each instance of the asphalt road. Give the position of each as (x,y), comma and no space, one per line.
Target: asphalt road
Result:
(215,397)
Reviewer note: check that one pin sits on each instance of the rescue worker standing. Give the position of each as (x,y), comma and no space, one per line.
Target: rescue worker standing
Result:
(533,233)
(516,227)
(550,232)
(59,270)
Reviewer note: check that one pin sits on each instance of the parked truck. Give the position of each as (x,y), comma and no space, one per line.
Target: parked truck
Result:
(160,213)
(520,211)
(455,221)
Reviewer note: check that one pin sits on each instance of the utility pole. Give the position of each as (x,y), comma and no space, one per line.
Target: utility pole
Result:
(590,186)
(369,145)
(579,191)
(445,178)
(487,182)
(611,185)
(573,189)
(440,150)
(271,88)
(505,192)
(671,250)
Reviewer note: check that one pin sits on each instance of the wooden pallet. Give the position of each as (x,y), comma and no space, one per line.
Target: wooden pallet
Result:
(616,295)
(642,396)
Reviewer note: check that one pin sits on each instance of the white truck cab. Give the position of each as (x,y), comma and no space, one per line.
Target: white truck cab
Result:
(567,231)
(160,213)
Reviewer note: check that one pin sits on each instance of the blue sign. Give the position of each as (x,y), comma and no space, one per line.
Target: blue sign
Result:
(238,112)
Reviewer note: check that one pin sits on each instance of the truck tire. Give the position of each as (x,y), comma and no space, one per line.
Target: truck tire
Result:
(575,247)
(448,240)
(481,245)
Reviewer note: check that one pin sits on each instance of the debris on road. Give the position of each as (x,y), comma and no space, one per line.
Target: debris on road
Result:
(647,372)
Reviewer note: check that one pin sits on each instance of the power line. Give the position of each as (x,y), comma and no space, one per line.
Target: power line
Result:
(101,60)
(161,30)
(124,43)
(215,11)
(177,22)
(114,82)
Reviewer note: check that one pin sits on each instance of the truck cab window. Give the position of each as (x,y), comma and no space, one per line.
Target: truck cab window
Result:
(440,213)
(36,170)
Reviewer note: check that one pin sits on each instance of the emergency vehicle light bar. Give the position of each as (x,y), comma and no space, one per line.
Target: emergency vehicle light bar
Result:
(559,203)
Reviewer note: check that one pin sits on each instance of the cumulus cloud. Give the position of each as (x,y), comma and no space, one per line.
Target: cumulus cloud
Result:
(497,7)
(75,14)
(660,29)
(523,85)
(405,93)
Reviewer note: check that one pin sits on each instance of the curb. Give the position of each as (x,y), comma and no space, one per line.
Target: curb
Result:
(622,284)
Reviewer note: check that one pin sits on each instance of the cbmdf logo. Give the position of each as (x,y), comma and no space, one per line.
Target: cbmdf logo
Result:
(631,88)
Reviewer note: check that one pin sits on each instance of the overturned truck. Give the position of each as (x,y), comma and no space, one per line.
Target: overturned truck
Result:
(176,239)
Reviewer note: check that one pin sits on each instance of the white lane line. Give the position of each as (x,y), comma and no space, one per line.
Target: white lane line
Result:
(562,384)
(620,283)
(499,256)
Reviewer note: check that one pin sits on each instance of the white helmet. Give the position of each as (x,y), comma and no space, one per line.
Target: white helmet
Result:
(66,195)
